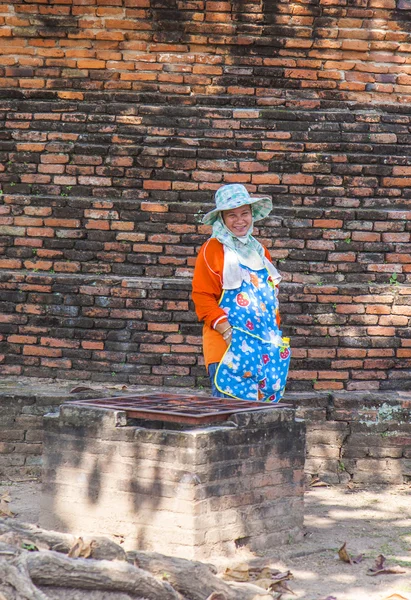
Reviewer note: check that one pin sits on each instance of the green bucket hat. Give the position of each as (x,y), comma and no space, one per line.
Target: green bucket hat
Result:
(235,195)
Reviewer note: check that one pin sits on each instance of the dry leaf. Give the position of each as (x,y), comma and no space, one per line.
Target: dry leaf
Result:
(4,509)
(379,563)
(262,572)
(343,554)
(380,569)
(395,597)
(238,573)
(74,551)
(274,581)
(81,549)
(81,388)
(387,571)
(318,483)
(277,577)
(263,583)
(358,559)
(217,596)
(5,497)
(281,588)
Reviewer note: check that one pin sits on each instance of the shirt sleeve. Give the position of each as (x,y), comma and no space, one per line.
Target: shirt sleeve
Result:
(207,282)
(267,254)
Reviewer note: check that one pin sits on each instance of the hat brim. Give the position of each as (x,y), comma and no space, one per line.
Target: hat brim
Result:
(261,210)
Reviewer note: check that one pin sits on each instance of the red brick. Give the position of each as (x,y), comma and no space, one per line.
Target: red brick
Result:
(349,309)
(22,339)
(328,385)
(57,343)
(320,352)
(328,223)
(381,331)
(62,222)
(404,353)
(67,267)
(40,351)
(40,232)
(149,184)
(310,375)
(333,375)
(342,257)
(10,263)
(395,320)
(30,309)
(89,345)
(63,363)
(155,348)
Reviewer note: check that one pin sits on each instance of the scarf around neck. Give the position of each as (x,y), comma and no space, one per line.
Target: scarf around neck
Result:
(243,251)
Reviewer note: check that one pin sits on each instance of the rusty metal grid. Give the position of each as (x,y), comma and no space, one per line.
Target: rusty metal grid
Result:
(177,408)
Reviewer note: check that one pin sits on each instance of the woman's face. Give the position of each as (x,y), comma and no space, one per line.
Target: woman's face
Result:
(238,220)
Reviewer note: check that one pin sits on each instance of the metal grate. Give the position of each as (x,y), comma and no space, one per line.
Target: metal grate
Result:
(178,408)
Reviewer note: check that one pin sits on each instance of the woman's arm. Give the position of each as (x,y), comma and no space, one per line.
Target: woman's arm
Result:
(207,286)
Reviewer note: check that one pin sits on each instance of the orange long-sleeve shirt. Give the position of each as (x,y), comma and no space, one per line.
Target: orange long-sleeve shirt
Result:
(207,290)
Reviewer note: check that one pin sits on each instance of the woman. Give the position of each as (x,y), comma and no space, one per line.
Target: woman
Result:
(235,289)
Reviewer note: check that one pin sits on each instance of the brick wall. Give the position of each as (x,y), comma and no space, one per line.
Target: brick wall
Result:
(356,437)
(119,119)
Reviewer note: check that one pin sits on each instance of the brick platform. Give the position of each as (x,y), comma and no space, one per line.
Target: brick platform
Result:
(190,492)
(364,437)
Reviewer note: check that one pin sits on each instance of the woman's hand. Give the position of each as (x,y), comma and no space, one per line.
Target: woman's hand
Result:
(225,330)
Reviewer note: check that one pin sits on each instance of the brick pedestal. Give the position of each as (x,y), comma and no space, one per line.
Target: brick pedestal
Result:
(189,492)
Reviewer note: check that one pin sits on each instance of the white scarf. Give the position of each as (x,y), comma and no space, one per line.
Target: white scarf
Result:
(243,251)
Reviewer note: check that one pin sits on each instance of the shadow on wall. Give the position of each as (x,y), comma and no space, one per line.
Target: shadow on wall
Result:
(93,481)
(170,488)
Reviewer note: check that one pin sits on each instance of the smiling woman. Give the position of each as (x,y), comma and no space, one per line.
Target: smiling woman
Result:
(235,291)
(238,220)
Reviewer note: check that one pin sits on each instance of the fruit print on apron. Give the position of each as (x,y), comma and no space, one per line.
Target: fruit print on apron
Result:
(255,365)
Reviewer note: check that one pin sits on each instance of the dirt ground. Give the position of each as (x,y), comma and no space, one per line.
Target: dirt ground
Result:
(371,521)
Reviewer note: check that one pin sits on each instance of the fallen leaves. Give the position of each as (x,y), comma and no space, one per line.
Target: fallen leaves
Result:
(4,506)
(380,568)
(81,549)
(345,557)
(316,482)
(343,554)
(239,573)
(269,579)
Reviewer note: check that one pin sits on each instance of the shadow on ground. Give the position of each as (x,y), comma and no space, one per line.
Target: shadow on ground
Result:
(371,521)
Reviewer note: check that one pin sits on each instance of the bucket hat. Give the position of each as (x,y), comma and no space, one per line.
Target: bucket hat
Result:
(235,195)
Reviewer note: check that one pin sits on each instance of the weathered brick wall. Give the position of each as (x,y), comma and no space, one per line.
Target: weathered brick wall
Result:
(120,118)
(357,437)
(195,492)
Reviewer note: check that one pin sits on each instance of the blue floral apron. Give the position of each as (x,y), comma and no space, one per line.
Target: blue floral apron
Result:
(255,365)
